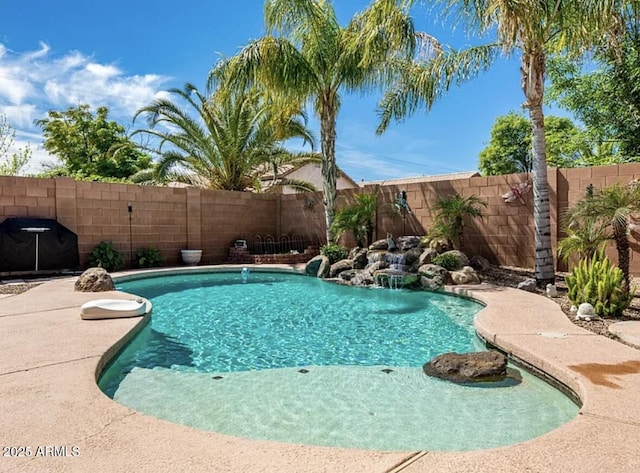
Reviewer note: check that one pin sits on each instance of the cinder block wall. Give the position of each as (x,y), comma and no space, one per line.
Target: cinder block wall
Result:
(172,219)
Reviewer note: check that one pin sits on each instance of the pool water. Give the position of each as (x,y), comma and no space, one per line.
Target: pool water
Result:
(295,359)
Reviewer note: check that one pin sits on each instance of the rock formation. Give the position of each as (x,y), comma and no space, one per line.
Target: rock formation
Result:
(94,280)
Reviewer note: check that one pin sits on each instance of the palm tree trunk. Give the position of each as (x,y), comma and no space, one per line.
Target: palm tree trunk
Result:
(533,66)
(622,246)
(329,168)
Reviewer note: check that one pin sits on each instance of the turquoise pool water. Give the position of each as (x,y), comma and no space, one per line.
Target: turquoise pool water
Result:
(295,359)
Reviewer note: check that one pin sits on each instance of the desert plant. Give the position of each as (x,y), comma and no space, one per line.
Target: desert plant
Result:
(334,252)
(148,257)
(449,219)
(612,206)
(104,255)
(448,261)
(599,283)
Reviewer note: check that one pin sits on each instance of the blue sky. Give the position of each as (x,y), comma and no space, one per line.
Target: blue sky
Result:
(54,55)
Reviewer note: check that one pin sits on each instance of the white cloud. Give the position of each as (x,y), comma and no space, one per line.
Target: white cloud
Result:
(33,82)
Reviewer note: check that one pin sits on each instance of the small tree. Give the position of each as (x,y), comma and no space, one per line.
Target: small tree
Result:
(450,215)
(357,218)
(612,207)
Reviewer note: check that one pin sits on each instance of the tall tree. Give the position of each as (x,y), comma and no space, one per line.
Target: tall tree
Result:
(11,165)
(534,28)
(308,57)
(509,149)
(224,141)
(91,146)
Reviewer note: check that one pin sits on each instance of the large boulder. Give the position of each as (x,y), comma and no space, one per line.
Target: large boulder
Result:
(434,284)
(405,243)
(314,264)
(348,274)
(362,278)
(412,255)
(359,258)
(337,268)
(379,245)
(466,275)
(462,259)
(479,263)
(468,367)
(431,271)
(439,244)
(426,257)
(94,280)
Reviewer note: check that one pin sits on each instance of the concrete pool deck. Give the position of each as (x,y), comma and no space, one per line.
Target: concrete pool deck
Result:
(50,399)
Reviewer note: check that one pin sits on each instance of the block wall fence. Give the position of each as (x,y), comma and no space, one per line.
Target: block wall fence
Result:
(172,219)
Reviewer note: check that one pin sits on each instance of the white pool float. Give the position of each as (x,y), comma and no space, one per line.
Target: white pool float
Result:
(114,308)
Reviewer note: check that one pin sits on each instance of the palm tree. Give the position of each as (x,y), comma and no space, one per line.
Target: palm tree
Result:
(450,214)
(357,218)
(226,141)
(584,238)
(612,206)
(536,28)
(308,57)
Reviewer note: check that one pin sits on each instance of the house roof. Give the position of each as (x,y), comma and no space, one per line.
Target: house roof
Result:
(419,179)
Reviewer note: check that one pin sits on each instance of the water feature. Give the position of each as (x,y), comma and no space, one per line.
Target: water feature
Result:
(295,359)
(244,274)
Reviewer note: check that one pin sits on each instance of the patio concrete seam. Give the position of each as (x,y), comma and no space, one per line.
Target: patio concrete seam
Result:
(31,368)
(407,461)
(610,419)
(40,311)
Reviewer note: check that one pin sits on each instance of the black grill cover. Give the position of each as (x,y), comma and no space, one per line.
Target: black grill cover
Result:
(57,245)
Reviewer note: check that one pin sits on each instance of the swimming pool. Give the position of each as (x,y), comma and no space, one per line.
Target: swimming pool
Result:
(291,358)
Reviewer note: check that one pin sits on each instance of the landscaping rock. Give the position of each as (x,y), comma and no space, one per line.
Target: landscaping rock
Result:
(434,284)
(362,278)
(479,263)
(468,367)
(463,260)
(439,244)
(379,245)
(467,275)
(359,258)
(337,268)
(552,291)
(313,265)
(586,312)
(348,274)
(325,268)
(426,257)
(405,243)
(432,270)
(94,280)
(412,256)
(528,285)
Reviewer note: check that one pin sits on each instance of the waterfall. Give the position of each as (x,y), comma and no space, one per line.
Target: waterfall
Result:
(395,261)
(244,274)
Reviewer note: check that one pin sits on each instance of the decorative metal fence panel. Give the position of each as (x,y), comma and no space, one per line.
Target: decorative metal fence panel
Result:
(269,245)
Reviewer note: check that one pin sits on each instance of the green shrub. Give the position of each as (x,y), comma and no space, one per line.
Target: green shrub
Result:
(600,284)
(334,252)
(148,257)
(104,255)
(448,261)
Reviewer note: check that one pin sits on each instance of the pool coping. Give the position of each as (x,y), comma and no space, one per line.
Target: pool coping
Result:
(50,397)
